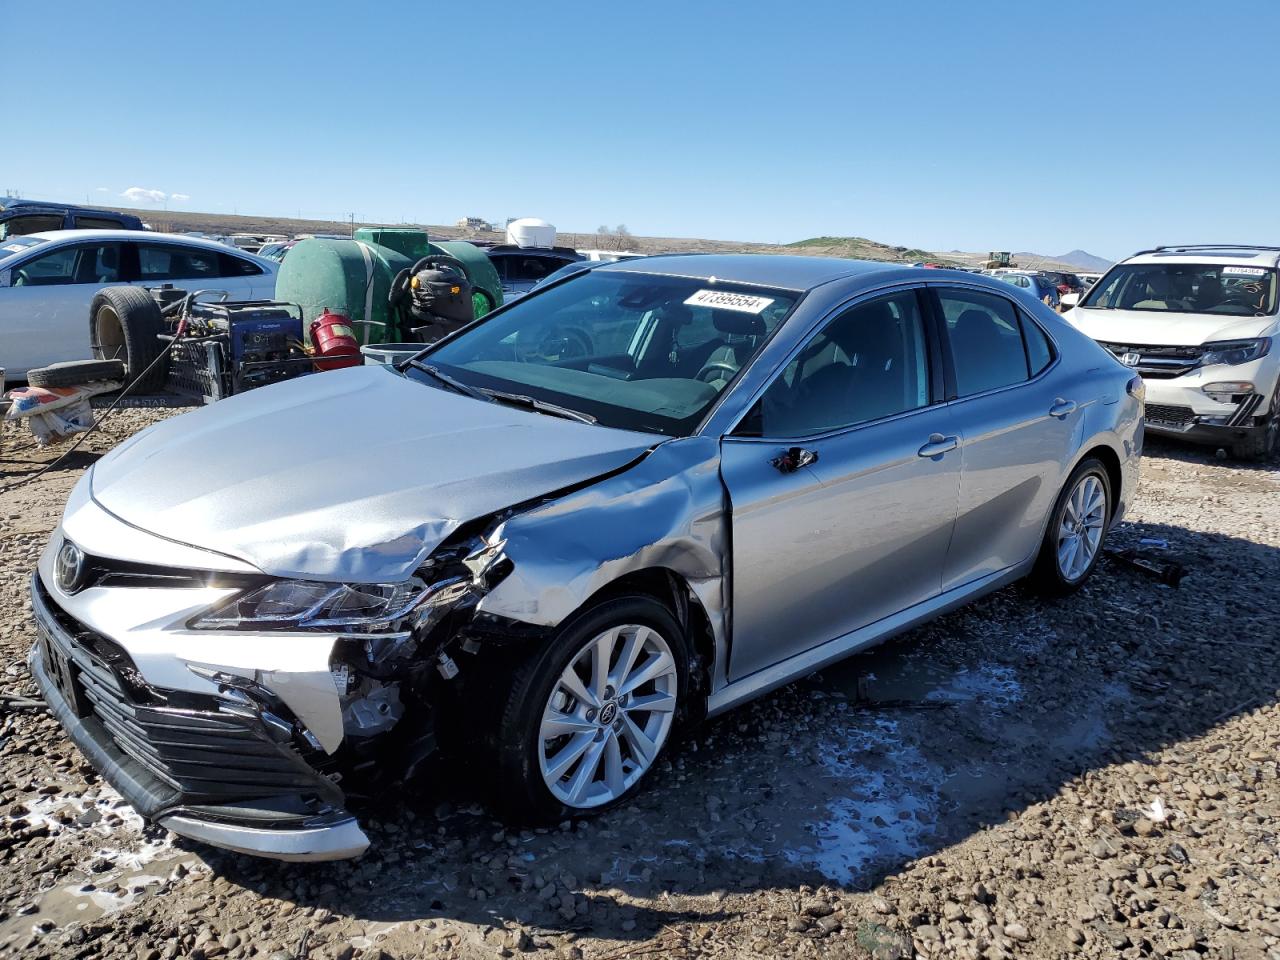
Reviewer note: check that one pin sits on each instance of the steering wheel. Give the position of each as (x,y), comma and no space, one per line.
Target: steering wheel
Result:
(712,369)
(558,344)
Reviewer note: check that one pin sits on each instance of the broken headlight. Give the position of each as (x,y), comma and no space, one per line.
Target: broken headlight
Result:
(1233,352)
(308,605)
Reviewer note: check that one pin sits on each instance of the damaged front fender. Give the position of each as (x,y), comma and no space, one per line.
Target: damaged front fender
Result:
(666,512)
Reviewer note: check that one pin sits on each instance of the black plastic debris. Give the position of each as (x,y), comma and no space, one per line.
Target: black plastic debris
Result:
(1168,572)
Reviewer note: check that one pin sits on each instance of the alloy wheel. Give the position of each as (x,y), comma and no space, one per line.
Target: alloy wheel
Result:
(1080,532)
(608,716)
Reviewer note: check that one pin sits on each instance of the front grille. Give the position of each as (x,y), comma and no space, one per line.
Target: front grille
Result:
(1158,362)
(1168,415)
(201,747)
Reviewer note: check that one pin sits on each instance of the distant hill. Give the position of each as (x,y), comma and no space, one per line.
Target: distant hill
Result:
(860,248)
(1085,261)
(857,248)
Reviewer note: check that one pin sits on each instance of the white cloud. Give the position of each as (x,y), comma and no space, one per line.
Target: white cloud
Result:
(102,189)
(179,196)
(144,195)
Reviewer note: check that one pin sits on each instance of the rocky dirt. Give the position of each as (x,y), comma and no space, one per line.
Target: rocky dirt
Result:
(1095,777)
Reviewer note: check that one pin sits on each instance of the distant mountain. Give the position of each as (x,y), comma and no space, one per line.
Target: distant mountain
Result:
(1085,261)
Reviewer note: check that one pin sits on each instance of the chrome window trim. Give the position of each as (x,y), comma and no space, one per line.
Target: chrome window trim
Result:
(754,369)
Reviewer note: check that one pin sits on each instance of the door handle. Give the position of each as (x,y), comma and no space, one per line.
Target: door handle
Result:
(1062,408)
(793,458)
(938,445)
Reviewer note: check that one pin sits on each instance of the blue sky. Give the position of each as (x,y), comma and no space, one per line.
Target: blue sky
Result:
(965,125)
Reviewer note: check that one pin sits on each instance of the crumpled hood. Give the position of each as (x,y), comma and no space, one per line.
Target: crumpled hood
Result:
(351,475)
(1165,329)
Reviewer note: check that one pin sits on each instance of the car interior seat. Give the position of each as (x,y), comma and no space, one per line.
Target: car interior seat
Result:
(742,334)
(986,351)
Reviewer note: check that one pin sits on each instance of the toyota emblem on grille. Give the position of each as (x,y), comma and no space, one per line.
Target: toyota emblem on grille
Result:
(1131,359)
(68,568)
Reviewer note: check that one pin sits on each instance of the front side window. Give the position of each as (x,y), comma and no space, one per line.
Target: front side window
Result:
(612,345)
(157,262)
(30,223)
(1186,288)
(869,362)
(986,340)
(96,263)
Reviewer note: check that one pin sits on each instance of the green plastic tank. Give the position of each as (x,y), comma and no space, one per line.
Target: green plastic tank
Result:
(351,277)
(410,242)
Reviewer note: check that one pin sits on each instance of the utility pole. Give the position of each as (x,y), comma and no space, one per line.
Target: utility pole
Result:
(352,217)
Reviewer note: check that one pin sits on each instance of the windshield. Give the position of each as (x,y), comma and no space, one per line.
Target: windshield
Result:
(1186,288)
(12,246)
(635,351)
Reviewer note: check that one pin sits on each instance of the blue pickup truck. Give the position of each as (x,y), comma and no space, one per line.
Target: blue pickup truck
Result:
(19,217)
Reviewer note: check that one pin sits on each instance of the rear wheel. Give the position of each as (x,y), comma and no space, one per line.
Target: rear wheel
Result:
(1073,542)
(589,715)
(123,325)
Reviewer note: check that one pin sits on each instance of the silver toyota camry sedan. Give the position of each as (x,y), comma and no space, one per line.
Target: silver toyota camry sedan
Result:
(636,498)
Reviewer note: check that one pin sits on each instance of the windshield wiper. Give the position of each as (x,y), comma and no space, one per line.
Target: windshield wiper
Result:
(542,406)
(456,385)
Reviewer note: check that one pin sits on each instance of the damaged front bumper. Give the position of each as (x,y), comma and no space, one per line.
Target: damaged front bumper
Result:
(206,767)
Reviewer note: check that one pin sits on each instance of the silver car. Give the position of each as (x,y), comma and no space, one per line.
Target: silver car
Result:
(636,498)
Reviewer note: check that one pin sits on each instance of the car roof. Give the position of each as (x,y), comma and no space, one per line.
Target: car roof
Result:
(766,270)
(136,236)
(1210,254)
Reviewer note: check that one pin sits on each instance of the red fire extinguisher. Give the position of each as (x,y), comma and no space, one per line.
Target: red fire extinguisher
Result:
(332,336)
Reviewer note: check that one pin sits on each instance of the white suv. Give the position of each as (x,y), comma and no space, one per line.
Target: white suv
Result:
(1199,323)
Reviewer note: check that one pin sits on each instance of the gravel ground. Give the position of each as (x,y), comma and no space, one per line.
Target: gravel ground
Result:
(1093,777)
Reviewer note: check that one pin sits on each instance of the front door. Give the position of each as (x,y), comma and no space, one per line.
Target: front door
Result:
(843,482)
(44,312)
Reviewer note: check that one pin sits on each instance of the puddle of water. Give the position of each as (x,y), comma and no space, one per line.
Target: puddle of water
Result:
(882,807)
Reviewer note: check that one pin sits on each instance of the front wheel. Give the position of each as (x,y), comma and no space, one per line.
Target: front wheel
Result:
(588,715)
(1073,542)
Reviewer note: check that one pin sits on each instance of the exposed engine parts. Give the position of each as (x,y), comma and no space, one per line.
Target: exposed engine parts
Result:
(382,676)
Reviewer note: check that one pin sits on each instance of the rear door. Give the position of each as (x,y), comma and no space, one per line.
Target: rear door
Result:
(44,312)
(843,482)
(1018,424)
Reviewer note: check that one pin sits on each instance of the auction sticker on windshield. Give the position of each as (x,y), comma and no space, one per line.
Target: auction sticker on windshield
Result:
(1243,271)
(723,300)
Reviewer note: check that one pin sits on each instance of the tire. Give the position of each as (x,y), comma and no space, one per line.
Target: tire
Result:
(73,373)
(123,324)
(1049,576)
(525,762)
(1262,443)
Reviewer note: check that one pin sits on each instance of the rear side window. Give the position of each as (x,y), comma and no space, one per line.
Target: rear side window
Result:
(530,268)
(232,266)
(157,262)
(97,223)
(986,341)
(1039,352)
